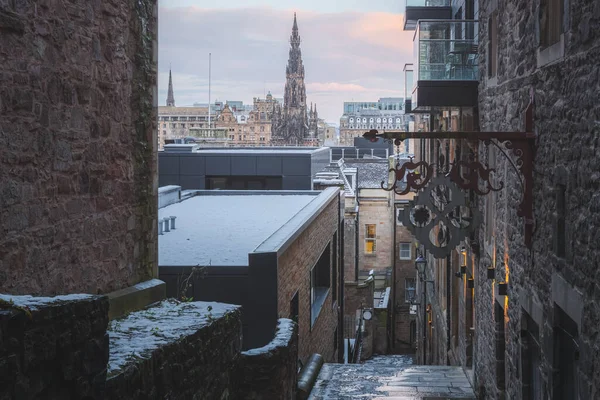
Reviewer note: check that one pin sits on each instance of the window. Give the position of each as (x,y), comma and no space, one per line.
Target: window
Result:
(409,290)
(566,356)
(492,45)
(490,202)
(320,282)
(404,251)
(551,21)
(500,347)
(370,238)
(560,226)
(530,358)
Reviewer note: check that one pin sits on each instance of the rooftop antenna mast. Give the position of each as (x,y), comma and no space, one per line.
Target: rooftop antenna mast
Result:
(209,71)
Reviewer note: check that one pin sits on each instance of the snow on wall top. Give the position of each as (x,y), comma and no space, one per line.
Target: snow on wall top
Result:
(222,230)
(33,302)
(141,332)
(285,330)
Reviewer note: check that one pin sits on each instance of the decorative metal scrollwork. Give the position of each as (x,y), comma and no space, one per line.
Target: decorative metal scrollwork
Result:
(471,180)
(439,216)
(414,180)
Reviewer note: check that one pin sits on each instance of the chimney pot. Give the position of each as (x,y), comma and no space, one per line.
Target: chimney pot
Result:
(166,221)
(172,217)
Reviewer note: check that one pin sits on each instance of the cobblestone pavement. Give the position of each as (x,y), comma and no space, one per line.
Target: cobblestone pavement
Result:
(391,378)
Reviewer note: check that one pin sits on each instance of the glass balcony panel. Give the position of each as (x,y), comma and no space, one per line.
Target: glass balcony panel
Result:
(446,50)
(428,3)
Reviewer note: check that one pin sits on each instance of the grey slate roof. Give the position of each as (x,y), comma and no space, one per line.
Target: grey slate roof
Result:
(371,172)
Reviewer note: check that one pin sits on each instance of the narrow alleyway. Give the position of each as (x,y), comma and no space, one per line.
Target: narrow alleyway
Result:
(392,378)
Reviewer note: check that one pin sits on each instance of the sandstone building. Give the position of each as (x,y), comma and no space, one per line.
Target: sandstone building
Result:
(359,117)
(251,128)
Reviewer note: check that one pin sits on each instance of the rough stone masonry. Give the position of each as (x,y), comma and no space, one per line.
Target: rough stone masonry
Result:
(77,145)
(557,279)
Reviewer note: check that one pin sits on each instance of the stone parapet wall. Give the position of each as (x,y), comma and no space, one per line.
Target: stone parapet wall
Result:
(271,372)
(53,348)
(77,145)
(175,351)
(59,349)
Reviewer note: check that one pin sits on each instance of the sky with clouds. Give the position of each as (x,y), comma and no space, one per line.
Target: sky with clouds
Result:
(352,50)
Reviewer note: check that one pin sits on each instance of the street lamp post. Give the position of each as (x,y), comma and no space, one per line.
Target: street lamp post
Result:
(420,265)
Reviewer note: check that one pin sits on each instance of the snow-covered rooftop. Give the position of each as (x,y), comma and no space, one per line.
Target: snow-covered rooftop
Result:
(223,229)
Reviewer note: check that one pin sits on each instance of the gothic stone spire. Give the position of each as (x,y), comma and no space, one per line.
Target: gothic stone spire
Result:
(292,129)
(170,97)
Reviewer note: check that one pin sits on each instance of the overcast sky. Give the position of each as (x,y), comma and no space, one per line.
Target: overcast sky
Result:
(352,50)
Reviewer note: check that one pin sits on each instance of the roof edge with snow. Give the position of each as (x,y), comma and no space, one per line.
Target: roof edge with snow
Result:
(279,241)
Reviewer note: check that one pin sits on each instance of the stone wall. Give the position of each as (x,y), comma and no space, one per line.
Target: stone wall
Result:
(77,145)
(271,372)
(357,296)
(380,213)
(53,348)
(175,351)
(293,275)
(350,247)
(562,263)
(402,318)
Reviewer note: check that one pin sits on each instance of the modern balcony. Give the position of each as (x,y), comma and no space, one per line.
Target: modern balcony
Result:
(408,85)
(425,9)
(445,64)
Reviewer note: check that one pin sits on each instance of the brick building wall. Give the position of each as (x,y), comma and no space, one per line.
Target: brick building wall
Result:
(77,146)
(294,275)
(553,287)
(350,248)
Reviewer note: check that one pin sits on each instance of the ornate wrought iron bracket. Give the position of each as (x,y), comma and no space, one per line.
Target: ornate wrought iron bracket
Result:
(521,144)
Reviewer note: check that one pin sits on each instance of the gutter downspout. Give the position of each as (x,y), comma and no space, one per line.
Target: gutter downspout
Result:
(448,306)
(357,230)
(394,272)
(340,247)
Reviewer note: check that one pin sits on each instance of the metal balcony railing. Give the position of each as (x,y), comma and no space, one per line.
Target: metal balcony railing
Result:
(446,50)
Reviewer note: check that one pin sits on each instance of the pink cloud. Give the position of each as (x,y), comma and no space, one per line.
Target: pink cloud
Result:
(334,87)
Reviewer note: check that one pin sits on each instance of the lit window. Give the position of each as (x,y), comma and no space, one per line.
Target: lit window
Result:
(404,251)
(370,238)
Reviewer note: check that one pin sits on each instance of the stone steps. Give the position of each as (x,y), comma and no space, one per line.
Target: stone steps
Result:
(391,377)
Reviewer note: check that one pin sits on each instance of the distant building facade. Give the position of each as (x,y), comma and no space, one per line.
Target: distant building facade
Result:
(292,123)
(177,122)
(359,117)
(248,128)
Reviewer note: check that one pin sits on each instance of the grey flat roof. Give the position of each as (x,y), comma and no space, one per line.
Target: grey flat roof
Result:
(223,228)
(259,150)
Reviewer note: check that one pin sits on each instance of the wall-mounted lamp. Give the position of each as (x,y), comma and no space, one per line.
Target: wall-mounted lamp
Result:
(470,283)
(491,273)
(420,264)
(503,289)
(463,269)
